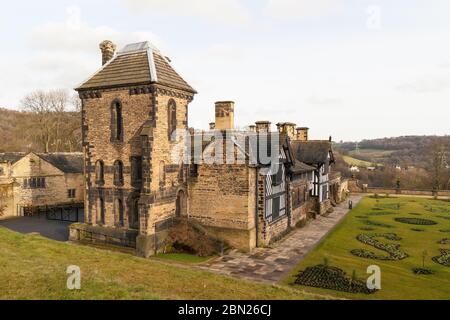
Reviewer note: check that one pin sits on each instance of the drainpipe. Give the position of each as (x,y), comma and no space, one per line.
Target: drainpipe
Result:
(256,207)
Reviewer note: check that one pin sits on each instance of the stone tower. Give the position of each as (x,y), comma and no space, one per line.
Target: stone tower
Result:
(131,108)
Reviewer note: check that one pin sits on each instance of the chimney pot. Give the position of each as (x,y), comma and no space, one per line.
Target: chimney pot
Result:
(224,115)
(287,128)
(212,126)
(262,126)
(108,49)
(302,134)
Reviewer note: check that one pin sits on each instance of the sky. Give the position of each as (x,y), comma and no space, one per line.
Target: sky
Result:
(351,69)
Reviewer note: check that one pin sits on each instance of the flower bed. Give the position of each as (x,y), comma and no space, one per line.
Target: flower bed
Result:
(376,224)
(444,241)
(444,258)
(392,249)
(422,271)
(416,221)
(321,276)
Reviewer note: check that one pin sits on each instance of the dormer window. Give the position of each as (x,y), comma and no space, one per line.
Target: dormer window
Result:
(116,121)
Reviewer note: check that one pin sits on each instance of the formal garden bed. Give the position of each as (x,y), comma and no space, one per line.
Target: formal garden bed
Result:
(410,247)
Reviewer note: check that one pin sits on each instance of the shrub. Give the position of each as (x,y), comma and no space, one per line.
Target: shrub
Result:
(333,278)
(444,241)
(417,230)
(445,230)
(416,221)
(392,249)
(382,213)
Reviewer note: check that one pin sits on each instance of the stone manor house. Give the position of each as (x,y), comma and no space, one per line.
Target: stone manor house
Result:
(131,108)
(51,183)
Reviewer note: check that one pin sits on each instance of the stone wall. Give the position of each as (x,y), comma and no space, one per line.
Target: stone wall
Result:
(6,201)
(392,191)
(223,199)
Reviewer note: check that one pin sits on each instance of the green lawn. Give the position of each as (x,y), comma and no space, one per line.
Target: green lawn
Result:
(33,267)
(375,216)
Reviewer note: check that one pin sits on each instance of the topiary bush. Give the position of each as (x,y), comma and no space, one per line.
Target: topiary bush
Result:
(444,258)
(326,277)
(416,221)
(392,249)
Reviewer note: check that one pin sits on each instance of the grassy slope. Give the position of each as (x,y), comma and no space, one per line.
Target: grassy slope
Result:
(34,268)
(398,281)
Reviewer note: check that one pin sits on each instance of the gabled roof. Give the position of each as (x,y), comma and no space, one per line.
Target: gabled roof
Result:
(137,64)
(314,152)
(66,162)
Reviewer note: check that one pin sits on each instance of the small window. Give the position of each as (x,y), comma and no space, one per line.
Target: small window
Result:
(118,173)
(162,174)
(101,211)
(99,172)
(116,121)
(172,118)
(71,193)
(119,213)
(136,171)
(26,183)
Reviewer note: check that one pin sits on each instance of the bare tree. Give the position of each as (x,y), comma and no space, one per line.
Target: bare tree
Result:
(439,169)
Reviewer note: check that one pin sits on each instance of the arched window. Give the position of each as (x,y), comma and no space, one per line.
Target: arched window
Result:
(99,172)
(172,118)
(162,174)
(101,211)
(116,121)
(118,173)
(119,213)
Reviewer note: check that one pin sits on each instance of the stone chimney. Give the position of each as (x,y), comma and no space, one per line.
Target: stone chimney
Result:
(212,126)
(224,115)
(287,128)
(262,126)
(108,50)
(302,134)
(252,128)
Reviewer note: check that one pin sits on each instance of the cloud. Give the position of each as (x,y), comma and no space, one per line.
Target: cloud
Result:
(75,35)
(300,9)
(61,54)
(323,101)
(222,11)
(426,84)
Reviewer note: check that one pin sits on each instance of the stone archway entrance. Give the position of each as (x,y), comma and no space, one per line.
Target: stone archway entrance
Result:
(181,205)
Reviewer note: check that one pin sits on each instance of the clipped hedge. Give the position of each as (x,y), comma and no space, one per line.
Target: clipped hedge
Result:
(416,221)
(326,277)
(381,213)
(392,249)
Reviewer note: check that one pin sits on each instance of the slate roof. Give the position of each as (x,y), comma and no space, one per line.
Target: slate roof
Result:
(137,64)
(11,157)
(312,152)
(66,162)
(300,167)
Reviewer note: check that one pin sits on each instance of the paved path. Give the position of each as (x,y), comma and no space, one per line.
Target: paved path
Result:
(56,230)
(273,264)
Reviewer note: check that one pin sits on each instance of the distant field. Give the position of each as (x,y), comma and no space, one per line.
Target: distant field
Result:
(33,267)
(356,162)
(395,234)
(372,153)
